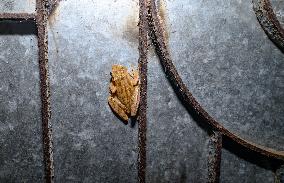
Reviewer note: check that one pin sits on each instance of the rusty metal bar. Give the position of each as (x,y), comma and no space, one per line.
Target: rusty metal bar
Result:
(17,16)
(158,39)
(41,21)
(142,114)
(214,158)
(269,22)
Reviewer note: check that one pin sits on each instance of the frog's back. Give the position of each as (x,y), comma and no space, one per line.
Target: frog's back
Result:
(124,92)
(124,88)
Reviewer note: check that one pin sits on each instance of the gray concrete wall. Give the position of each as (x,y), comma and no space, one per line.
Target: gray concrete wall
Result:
(230,65)
(91,144)
(17,6)
(219,49)
(20,122)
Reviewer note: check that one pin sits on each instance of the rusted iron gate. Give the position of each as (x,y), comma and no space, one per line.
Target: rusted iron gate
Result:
(150,25)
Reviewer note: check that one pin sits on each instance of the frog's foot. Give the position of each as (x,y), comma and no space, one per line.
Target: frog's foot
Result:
(135,101)
(118,108)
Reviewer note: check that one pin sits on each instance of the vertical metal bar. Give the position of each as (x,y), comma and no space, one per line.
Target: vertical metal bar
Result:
(214,158)
(142,117)
(41,21)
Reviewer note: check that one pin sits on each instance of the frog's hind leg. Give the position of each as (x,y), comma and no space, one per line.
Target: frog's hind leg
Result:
(135,101)
(118,108)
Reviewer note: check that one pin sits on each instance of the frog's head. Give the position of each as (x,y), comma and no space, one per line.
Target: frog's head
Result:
(118,72)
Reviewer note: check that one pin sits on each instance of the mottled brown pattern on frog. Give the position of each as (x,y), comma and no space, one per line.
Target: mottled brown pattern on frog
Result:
(124,91)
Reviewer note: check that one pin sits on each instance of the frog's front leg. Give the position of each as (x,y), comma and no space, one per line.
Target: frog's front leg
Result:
(118,107)
(112,88)
(134,77)
(135,99)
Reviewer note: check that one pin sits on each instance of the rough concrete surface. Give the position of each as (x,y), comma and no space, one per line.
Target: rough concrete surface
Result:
(20,122)
(219,49)
(230,65)
(91,143)
(236,169)
(17,6)
(177,147)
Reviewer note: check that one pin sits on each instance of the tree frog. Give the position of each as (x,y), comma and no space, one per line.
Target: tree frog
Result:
(124,92)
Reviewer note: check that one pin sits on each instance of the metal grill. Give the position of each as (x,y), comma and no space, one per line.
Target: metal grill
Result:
(150,24)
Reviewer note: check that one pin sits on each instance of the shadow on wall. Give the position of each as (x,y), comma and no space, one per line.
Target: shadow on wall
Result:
(274,165)
(17,28)
(250,156)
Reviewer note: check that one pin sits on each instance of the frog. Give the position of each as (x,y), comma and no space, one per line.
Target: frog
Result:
(124,90)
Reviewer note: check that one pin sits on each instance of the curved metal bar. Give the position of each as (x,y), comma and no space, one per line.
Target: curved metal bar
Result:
(269,22)
(157,36)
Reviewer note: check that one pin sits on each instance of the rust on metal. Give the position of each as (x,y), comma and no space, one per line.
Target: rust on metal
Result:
(41,21)
(17,16)
(142,113)
(214,158)
(269,22)
(161,5)
(157,36)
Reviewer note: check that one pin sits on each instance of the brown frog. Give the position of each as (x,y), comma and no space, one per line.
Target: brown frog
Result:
(124,91)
